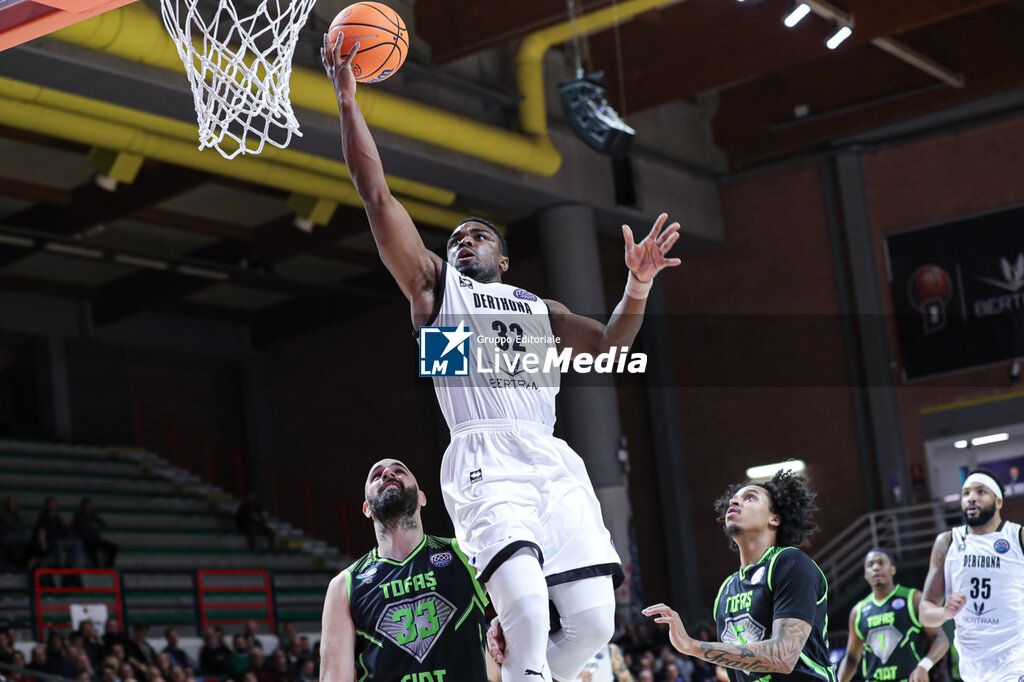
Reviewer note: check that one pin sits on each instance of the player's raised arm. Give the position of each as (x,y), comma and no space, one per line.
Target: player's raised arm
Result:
(401,248)
(854,650)
(644,261)
(935,608)
(338,634)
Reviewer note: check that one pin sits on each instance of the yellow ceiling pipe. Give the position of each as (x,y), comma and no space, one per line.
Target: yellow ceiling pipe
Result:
(83,129)
(179,130)
(530,57)
(135,33)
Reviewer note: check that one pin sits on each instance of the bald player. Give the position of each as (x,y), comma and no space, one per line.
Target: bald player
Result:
(976,577)
(410,610)
(886,636)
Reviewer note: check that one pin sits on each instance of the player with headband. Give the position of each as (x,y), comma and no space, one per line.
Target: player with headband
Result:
(976,577)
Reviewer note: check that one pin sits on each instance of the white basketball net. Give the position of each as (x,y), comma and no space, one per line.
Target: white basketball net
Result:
(239,69)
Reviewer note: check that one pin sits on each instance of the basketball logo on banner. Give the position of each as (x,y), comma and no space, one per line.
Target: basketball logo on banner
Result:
(930,290)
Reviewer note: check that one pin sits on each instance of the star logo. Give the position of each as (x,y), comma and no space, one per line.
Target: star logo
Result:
(444,351)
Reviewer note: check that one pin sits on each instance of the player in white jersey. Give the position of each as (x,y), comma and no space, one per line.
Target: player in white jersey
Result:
(978,571)
(522,504)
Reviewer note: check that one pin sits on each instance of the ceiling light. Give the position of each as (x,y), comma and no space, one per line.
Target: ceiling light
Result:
(768,470)
(798,13)
(960,444)
(838,37)
(992,438)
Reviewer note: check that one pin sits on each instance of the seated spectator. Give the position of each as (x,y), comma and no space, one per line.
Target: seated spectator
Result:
(177,674)
(38,662)
(63,546)
(83,677)
(213,656)
(258,666)
(55,647)
(251,634)
(38,554)
(113,634)
(162,666)
(108,673)
(238,662)
(307,671)
(252,522)
(278,667)
(6,647)
(287,635)
(138,651)
(18,661)
(645,676)
(177,656)
(126,673)
(88,526)
(92,644)
(249,676)
(14,533)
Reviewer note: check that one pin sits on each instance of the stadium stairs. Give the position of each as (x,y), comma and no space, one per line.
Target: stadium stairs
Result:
(168,523)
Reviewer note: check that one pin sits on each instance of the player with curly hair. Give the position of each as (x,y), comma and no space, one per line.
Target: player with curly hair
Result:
(772,613)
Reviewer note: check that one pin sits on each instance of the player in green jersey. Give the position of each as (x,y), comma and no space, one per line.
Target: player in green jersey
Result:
(772,614)
(885,634)
(410,610)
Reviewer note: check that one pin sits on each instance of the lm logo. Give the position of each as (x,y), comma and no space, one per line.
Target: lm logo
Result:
(444,351)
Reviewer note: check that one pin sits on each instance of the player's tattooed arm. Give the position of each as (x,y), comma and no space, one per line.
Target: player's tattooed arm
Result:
(935,609)
(779,654)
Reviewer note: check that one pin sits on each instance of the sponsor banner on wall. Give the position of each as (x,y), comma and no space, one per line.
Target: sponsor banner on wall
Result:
(958,292)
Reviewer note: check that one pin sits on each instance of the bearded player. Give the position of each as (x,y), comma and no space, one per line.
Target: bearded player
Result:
(976,577)
(885,633)
(520,499)
(772,614)
(410,609)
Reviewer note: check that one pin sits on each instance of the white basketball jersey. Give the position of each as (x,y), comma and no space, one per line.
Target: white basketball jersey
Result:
(989,570)
(507,324)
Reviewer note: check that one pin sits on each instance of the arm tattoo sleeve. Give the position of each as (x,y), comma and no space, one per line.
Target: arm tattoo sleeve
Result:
(935,584)
(776,655)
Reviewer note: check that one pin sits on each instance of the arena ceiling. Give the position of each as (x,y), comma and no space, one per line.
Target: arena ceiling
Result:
(200,242)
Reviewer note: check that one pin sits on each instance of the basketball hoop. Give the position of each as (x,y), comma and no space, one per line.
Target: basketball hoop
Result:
(239,68)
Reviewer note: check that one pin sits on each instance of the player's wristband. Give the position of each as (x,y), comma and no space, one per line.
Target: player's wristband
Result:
(925,663)
(637,289)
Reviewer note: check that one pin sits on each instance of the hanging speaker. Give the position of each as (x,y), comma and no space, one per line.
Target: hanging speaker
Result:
(585,103)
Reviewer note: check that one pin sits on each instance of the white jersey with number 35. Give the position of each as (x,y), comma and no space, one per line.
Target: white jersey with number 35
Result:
(989,570)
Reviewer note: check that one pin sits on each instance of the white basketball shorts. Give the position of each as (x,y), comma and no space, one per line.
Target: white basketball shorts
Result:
(1007,667)
(512,484)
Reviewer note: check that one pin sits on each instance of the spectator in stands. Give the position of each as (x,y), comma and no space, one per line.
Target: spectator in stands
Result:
(252,522)
(88,526)
(238,662)
(38,554)
(307,671)
(91,643)
(138,651)
(177,656)
(251,634)
(64,547)
(287,635)
(213,657)
(14,533)
(113,636)
(258,666)
(161,666)
(55,647)
(278,668)
(249,676)
(6,646)
(38,662)
(83,677)
(18,661)
(126,673)
(108,673)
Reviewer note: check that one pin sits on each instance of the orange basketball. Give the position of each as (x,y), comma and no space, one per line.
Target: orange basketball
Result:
(382,37)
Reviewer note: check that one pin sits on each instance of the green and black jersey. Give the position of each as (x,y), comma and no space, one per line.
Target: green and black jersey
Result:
(891,634)
(418,620)
(784,583)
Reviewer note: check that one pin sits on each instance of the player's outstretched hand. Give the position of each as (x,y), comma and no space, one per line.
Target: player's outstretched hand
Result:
(677,634)
(496,641)
(647,259)
(338,68)
(954,604)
